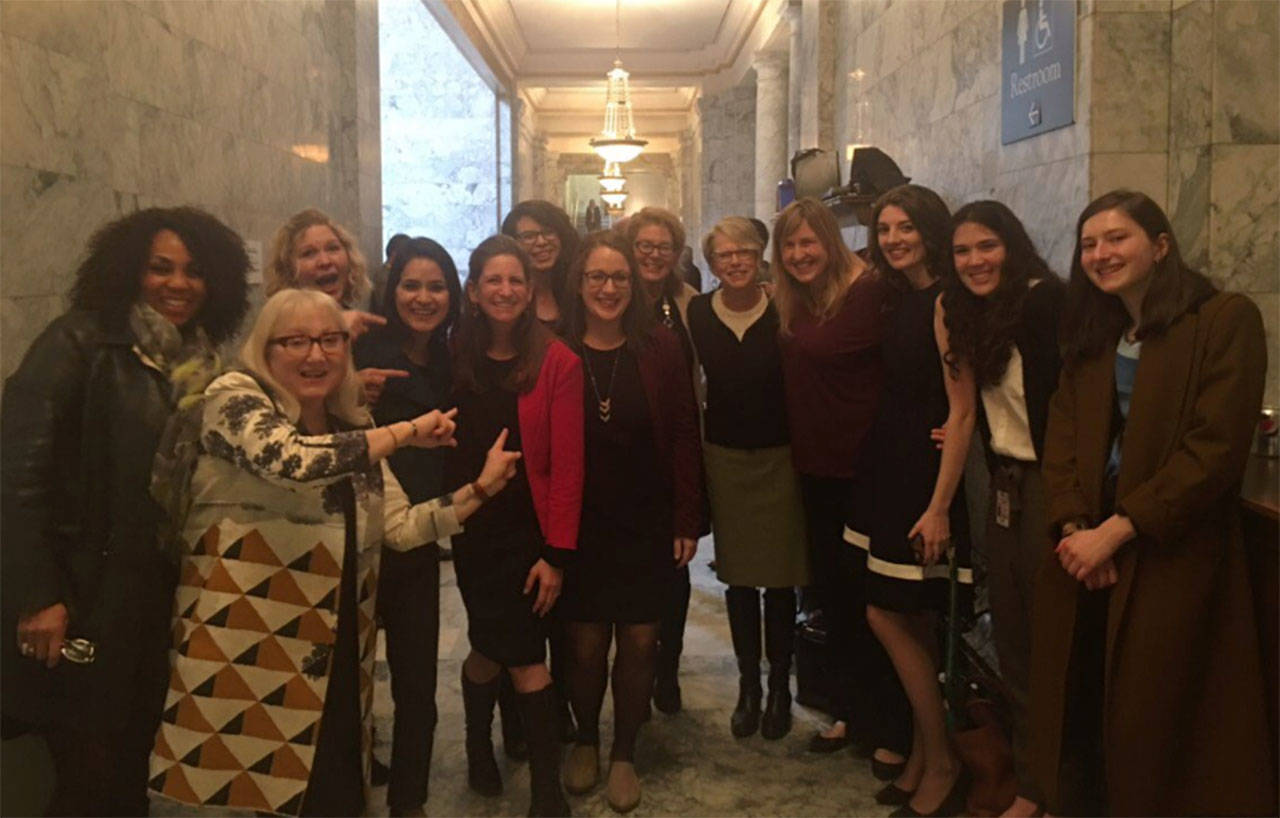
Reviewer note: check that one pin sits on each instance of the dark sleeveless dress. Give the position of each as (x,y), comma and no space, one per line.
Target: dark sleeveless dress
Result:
(899,466)
(624,561)
(502,540)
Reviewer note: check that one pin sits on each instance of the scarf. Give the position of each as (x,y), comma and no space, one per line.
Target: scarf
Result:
(189,362)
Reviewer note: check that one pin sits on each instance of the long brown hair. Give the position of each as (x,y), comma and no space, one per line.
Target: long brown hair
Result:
(1093,320)
(474,334)
(821,298)
(636,318)
(932,220)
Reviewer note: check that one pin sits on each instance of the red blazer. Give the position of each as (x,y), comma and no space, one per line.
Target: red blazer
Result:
(551,428)
(669,389)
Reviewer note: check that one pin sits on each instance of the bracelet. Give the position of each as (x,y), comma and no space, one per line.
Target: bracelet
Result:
(481,493)
(391,431)
(413,426)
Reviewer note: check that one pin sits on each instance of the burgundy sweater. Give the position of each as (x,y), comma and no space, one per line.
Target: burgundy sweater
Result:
(832,373)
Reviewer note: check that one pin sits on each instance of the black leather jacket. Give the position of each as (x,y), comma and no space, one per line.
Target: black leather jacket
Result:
(81,419)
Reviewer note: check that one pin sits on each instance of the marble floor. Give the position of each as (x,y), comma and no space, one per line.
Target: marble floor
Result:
(689,763)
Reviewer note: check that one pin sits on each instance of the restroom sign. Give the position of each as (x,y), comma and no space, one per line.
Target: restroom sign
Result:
(1038,57)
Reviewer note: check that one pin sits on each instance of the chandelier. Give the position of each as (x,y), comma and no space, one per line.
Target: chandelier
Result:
(612,180)
(617,141)
(615,199)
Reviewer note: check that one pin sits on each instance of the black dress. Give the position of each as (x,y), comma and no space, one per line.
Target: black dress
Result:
(899,466)
(625,560)
(502,540)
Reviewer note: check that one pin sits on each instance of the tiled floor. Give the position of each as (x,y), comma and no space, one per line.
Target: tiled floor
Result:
(689,764)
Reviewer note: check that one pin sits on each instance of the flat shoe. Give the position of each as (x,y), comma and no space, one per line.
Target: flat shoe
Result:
(891,795)
(887,770)
(582,769)
(828,744)
(623,788)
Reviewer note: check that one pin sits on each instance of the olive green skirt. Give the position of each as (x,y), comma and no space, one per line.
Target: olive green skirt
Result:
(756,516)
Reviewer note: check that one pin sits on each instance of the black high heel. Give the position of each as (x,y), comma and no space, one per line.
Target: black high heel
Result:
(891,795)
(954,804)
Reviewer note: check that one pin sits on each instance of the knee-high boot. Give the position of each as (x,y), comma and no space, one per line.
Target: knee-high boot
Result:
(513,743)
(477,703)
(743,604)
(779,633)
(542,730)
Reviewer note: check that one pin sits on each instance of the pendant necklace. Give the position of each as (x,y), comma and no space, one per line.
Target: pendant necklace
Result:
(604,406)
(666,314)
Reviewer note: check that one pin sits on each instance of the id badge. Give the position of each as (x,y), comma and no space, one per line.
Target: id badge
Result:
(1004,508)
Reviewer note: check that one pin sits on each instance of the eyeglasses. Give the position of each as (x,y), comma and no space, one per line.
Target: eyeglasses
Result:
(596,280)
(649,248)
(531,236)
(726,256)
(300,345)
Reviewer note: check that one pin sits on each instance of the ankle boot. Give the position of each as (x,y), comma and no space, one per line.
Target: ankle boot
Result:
(477,703)
(542,731)
(743,606)
(779,632)
(513,743)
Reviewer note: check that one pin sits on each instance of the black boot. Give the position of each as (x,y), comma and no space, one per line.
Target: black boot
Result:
(477,704)
(666,679)
(513,743)
(542,730)
(743,605)
(779,618)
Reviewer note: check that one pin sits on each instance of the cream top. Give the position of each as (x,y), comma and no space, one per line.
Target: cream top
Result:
(1006,407)
(737,322)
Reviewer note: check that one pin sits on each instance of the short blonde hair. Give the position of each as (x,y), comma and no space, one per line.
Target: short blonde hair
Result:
(279,272)
(345,402)
(822,297)
(737,230)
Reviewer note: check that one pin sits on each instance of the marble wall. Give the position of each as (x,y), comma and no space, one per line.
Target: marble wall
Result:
(1177,98)
(931,94)
(440,140)
(728,154)
(252,110)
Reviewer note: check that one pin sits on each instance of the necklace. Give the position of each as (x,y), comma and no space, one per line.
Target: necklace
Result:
(604,406)
(666,314)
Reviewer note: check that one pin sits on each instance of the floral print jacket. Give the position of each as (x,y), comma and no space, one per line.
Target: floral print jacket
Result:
(256,610)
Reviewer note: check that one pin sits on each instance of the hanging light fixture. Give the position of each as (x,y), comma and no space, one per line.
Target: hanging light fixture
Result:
(612,180)
(617,141)
(615,199)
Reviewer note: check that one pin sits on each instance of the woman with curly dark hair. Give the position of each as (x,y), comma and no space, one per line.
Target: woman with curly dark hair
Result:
(1002,314)
(547,235)
(88,590)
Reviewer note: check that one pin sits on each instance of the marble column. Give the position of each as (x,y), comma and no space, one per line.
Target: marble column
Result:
(771,129)
(795,76)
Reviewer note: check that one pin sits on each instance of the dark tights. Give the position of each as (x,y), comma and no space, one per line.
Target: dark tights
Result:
(633,669)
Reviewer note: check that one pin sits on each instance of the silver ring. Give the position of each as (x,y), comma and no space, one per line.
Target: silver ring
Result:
(28,649)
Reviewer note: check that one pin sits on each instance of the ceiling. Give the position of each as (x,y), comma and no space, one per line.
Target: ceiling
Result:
(555,53)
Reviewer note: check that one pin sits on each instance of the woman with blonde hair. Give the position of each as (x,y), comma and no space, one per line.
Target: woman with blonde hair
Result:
(269,705)
(830,307)
(311,251)
(755,496)
(657,239)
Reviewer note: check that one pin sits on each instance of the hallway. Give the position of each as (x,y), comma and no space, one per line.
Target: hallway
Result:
(689,763)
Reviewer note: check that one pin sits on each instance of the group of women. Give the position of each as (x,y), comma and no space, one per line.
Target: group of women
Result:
(196,556)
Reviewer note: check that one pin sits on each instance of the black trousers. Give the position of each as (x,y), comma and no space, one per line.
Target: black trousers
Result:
(409,607)
(865,693)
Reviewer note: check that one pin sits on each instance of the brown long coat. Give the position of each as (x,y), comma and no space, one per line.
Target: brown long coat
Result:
(1184,722)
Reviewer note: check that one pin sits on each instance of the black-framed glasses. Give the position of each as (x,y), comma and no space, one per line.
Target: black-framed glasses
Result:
(300,345)
(649,248)
(531,236)
(596,279)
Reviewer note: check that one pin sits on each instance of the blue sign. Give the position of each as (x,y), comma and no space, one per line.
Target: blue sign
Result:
(1038,58)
